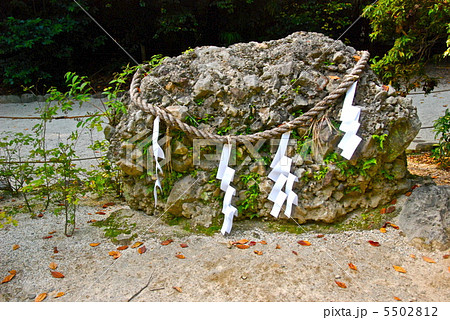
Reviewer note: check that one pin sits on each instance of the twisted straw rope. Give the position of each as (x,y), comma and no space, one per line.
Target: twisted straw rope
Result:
(302,122)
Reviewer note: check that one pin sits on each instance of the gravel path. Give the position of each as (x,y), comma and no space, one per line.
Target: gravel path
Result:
(212,269)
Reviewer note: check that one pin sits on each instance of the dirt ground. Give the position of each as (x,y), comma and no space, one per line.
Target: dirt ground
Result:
(271,266)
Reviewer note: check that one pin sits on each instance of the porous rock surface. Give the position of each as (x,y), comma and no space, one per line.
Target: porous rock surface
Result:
(251,87)
(425,217)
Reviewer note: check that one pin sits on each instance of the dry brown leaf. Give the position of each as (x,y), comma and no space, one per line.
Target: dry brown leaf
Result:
(263,242)
(178,289)
(409,193)
(115,254)
(252,243)
(412,256)
(242,246)
(278,246)
(137,244)
(304,242)
(448,269)
(53,266)
(383,211)
(394,201)
(184,245)
(94,244)
(56,274)
(340,284)
(446,256)
(374,243)
(320,235)
(394,226)
(100,213)
(180,256)
(93,220)
(295,252)
(399,269)
(12,272)
(52,232)
(383,230)
(242,241)
(59,294)
(428,259)
(352,266)
(259,253)
(122,248)
(357,58)
(40,297)
(334,77)
(166,242)
(9,277)
(397,298)
(47,237)
(390,209)
(55,250)
(142,250)
(15,247)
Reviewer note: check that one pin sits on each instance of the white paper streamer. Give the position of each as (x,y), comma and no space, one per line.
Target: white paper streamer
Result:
(157,153)
(350,124)
(281,167)
(226,174)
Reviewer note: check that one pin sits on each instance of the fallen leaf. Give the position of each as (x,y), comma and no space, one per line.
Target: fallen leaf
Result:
(428,259)
(394,226)
(242,241)
(178,289)
(383,211)
(320,235)
(114,254)
(295,252)
(263,242)
(390,209)
(304,243)
(259,253)
(15,247)
(184,245)
(40,297)
(399,269)
(394,201)
(357,58)
(59,294)
(414,187)
(93,220)
(446,256)
(242,246)
(142,250)
(137,244)
(278,246)
(94,244)
(166,242)
(409,193)
(109,204)
(385,88)
(56,274)
(122,248)
(9,277)
(448,269)
(47,237)
(12,272)
(52,232)
(340,284)
(383,230)
(412,256)
(252,243)
(397,298)
(101,213)
(374,243)
(55,250)
(180,256)
(53,266)
(352,266)
(40,215)
(334,77)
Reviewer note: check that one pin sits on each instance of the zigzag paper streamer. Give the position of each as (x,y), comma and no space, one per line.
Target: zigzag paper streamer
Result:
(226,174)
(157,153)
(281,167)
(350,124)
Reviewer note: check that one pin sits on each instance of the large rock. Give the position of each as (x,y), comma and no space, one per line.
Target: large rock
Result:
(425,217)
(252,87)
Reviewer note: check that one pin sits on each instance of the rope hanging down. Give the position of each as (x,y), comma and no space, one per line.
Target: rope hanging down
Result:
(302,122)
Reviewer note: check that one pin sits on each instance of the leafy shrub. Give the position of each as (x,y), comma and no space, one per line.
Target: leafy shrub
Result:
(442,129)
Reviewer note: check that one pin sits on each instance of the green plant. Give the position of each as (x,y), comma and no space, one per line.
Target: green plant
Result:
(442,130)
(319,175)
(250,203)
(380,140)
(414,29)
